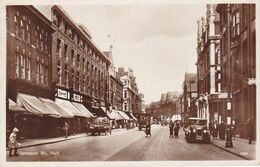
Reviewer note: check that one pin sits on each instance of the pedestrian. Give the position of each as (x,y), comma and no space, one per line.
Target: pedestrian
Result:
(222,129)
(176,130)
(171,125)
(215,130)
(13,144)
(79,126)
(249,127)
(148,129)
(66,128)
(211,124)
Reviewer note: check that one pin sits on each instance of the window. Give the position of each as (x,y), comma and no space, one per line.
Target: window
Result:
(72,79)
(22,63)
(59,72)
(125,106)
(37,72)
(41,73)
(28,68)
(65,52)
(235,24)
(83,65)
(66,72)
(58,48)
(16,65)
(78,60)
(73,57)
(83,84)
(125,93)
(46,75)
(77,82)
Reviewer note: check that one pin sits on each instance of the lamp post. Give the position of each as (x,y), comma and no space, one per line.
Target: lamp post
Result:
(229,142)
(190,94)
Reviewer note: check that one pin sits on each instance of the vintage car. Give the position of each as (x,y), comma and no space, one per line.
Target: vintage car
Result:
(196,129)
(99,125)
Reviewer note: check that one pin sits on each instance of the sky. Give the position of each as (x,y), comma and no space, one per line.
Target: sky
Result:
(157,41)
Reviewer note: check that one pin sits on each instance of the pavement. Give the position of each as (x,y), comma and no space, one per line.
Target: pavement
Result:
(240,147)
(37,142)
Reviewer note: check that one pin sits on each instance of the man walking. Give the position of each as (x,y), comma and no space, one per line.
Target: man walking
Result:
(249,130)
(171,125)
(66,128)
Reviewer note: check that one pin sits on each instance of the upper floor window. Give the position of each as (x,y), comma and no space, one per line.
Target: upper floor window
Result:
(235,24)
(66,75)
(59,46)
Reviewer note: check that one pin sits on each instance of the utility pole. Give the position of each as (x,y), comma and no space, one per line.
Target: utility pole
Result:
(229,142)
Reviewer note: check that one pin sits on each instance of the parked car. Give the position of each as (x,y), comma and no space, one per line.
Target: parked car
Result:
(99,125)
(196,130)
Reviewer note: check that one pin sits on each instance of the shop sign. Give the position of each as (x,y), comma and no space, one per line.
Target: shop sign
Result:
(251,81)
(76,97)
(222,95)
(62,93)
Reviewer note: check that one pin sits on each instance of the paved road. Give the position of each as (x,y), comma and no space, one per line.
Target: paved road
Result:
(131,145)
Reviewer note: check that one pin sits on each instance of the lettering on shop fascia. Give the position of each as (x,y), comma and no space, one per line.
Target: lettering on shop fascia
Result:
(77,98)
(62,93)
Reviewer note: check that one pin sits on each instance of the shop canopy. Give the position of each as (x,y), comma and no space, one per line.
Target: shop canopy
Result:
(83,109)
(108,113)
(69,107)
(117,115)
(35,105)
(123,115)
(14,107)
(133,116)
(51,104)
(98,112)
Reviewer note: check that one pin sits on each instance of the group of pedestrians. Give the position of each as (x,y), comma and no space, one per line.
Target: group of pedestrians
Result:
(217,130)
(174,127)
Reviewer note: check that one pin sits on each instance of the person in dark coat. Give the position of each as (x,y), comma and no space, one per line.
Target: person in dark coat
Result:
(66,128)
(211,124)
(215,130)
(148,129)
(171,125)
(222,129)
(249,127)
(176,130)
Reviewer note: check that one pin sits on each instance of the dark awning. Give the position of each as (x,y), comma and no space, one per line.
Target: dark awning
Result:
(98,112)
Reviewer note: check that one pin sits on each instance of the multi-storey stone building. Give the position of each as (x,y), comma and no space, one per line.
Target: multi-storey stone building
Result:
(210,98)
(29,59)
(168,104)
(80,69)
(132,100)
(238,62)
(115,85)
(189,95)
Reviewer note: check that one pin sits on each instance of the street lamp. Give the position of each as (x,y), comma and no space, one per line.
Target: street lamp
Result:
(189,104)
(229,142)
